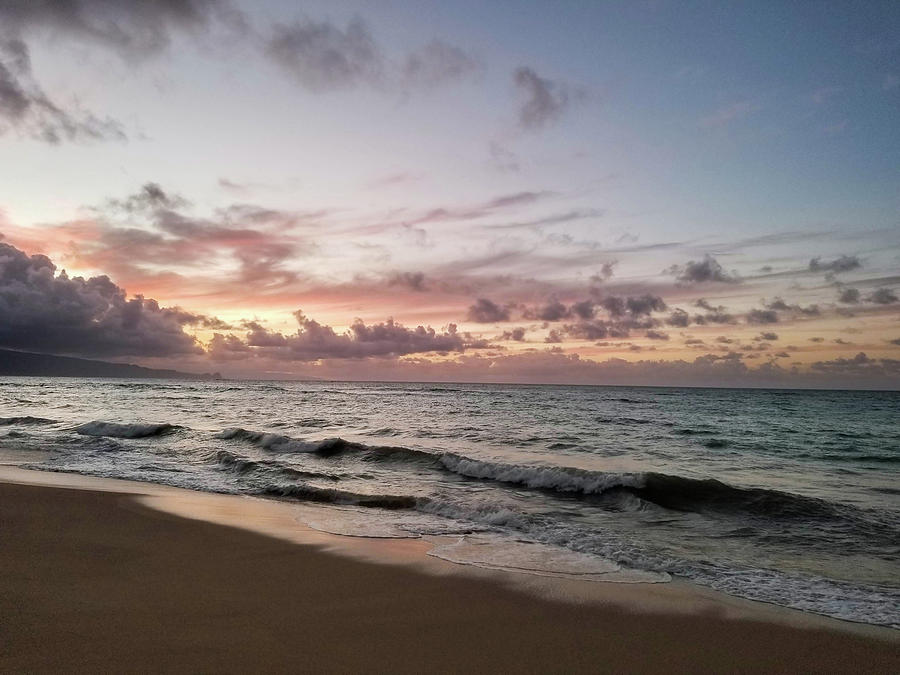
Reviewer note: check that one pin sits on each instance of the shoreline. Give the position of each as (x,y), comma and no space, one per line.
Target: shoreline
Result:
(670,626)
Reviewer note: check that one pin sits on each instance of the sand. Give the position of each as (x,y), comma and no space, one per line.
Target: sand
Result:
(97,581)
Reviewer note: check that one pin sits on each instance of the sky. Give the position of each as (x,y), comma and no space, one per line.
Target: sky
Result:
(660,193)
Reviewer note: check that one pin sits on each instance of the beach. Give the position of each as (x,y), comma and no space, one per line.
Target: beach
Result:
(100,580)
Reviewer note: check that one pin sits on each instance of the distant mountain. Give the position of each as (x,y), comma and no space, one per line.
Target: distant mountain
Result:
(48,365)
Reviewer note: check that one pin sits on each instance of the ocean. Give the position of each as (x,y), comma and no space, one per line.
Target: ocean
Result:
(786,497)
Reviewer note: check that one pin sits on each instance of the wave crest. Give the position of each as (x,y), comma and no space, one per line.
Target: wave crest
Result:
(116,430)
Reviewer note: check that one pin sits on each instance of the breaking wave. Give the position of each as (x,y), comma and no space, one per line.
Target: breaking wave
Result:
(116,430)
(324,448)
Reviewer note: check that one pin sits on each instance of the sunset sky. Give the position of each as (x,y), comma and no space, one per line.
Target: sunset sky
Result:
(611,192)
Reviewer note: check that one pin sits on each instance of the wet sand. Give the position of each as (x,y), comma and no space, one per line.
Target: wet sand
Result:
(99,581)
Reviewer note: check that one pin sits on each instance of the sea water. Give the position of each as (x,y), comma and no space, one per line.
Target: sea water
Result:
(788,497)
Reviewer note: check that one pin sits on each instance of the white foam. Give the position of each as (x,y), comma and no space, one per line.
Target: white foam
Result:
(534,558)
(562,479)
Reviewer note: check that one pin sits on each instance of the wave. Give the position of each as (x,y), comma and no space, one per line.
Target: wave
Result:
(244,465)
(27,419)
(676,493)
(286,444)
(116,430)
(559,479)
(324,448)
(312,493)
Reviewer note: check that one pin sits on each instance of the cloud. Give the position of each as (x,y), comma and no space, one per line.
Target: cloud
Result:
(553,366)
(762,316)
(321,56)
(845,263)
(849,296)
(133,30)
(50,312)
(437,63)
(487,311)
(516,334)
(553,310)
(861,364)
(544,100)
(883,296)
(679,318)
(415,281)
(27,110)
(644,305)
(314,341)
(136,236)
(700,271)
(149,198)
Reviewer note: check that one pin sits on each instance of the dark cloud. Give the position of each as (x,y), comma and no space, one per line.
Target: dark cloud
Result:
(716,317)
(314,341)
(679,318)
(883,296)
(700,271)
(415,281)
(553,337)
(849,296)
(554,310)
(27,110)
(437,63)
(487,311)
(50,312)
(544,100)
(151,197)
(584,309)
(228,348)
(845,263)
(645,304)
(516,334)
(133,30)
(322,56)
(778,304)
(861,364)
(762,316)
(614,305)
